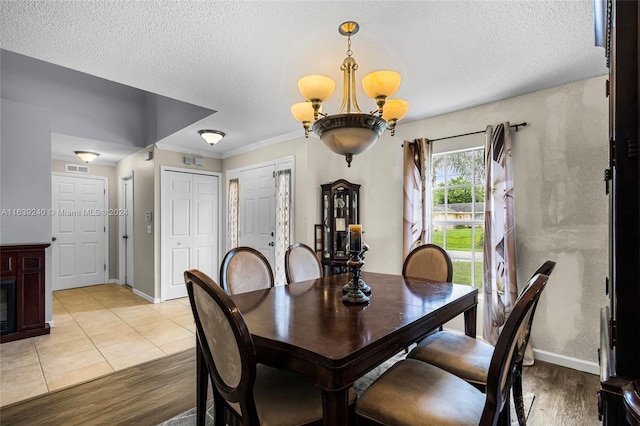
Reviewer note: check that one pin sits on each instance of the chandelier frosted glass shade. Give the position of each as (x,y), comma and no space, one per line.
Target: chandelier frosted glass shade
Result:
(381,84)
(350,131)
(349,134)
(316,87)
(395,110)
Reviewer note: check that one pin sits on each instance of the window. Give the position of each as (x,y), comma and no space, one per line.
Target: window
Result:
(458,211)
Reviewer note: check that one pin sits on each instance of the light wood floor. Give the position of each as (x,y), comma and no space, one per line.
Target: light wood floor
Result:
(158,390)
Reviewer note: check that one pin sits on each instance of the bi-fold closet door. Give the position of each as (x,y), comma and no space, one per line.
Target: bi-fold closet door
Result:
(190,218)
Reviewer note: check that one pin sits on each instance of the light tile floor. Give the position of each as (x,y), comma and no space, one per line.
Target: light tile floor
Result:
(97,330)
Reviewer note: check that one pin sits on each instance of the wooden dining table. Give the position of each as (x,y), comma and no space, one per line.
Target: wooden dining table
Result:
(305,327)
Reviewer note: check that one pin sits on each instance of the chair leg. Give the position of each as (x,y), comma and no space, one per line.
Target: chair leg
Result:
(202,384)
(518,399)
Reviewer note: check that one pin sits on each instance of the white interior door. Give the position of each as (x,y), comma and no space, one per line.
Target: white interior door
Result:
(189,228)
(79,225)
(126,230)
(256,227)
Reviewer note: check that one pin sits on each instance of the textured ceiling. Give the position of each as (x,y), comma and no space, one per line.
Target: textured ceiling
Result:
(243,58)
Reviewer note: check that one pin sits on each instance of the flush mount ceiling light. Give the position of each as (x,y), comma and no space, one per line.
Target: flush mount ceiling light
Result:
(212,137)
(350,132)
(87,156)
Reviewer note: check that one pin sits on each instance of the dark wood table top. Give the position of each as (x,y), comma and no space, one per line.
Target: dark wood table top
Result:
(311,317)
(306,328)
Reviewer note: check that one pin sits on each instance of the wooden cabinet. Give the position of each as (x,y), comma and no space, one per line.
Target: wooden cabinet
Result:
(620,321)
(340,207)
(22,269)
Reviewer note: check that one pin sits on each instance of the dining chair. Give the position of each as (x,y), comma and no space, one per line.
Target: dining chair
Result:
(428,261)
(413,392)
(431,262)
(301,263)
(245,269)
(245,392)
(469,358)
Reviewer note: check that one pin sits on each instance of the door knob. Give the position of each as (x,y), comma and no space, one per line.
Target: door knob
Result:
(53,238)
(271,244)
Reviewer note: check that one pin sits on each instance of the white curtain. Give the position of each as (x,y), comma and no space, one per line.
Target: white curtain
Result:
(500,284)
(232,214)
(283,222)
(416,224)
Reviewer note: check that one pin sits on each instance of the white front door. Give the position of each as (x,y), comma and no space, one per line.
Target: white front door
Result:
(79,225)
(256,227)
(189,228)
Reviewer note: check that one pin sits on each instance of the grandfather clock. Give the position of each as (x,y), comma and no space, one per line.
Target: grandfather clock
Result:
(340,207)
(620,320)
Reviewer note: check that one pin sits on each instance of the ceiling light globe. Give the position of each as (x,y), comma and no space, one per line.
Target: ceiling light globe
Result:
(87,156)
(212,137)
(316,87)
(381,83)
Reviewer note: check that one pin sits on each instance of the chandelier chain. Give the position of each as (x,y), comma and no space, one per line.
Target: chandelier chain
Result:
(349,51)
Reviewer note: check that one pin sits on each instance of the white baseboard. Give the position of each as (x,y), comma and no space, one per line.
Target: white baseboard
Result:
(145,296)
(114,281)
(50,323)
(566,361)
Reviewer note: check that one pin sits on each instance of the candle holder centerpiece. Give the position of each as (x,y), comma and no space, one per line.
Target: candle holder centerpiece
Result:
(356,291)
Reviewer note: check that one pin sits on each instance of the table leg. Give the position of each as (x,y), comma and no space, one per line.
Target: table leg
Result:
(335,407)
(470,321)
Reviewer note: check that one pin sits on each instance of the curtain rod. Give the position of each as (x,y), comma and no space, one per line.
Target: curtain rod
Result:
(517,126)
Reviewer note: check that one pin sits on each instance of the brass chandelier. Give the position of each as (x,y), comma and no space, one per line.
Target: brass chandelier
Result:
(350,131)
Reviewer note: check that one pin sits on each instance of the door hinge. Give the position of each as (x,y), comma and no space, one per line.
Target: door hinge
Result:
(274,174)
(104,229)
(104,191)
(105,266)
(606,286)
(607,178)
(612,332)
(607,88)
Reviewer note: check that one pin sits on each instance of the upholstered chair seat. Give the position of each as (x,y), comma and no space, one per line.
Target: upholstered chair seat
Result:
(461,355)
(301,264)
(420,394)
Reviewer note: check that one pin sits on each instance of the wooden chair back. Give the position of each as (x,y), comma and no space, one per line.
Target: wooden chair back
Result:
(546,269)
(301,263)
(225,343)
(245,269)
(505,353)
(428,261)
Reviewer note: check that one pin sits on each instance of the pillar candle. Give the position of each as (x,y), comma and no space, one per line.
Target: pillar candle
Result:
(355,238)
